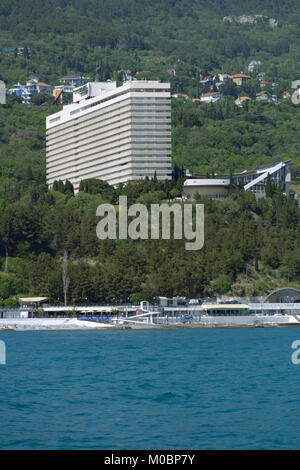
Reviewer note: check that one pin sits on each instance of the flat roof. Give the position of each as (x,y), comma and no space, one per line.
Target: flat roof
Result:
(33,299)
(260,169)
(95,103)
(224,306)
(207,182)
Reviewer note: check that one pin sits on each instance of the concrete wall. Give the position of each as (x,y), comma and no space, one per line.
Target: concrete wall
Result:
(250,320)
(208,191)
(247,320)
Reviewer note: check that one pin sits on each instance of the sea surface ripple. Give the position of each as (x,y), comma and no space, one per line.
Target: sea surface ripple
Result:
(150,389)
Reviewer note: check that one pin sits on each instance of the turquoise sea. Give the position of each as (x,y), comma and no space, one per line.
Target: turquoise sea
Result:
(150,389)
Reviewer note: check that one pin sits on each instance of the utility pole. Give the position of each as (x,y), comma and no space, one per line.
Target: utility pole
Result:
(65,277)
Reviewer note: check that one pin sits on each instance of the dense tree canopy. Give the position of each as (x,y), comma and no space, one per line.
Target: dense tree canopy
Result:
(245,243)
(250,247)
(111,35)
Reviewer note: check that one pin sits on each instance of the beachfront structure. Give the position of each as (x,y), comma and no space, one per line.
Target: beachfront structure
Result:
(173,301)
(116,134)
(284,295)
(225,309)
(281,306)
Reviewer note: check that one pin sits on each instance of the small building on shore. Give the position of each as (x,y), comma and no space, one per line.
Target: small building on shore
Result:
(34,302)
(172,302)
(284,295)
(225,309)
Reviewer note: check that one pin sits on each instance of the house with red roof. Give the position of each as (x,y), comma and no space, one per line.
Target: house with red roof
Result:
(224,76)
(180,95)
(171,72)
(264,83)
(142,72)
(266,96)
(211,97)
(43,88)
(240,78)
(241,100)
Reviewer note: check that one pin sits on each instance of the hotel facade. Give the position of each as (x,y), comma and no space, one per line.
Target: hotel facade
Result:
(116,134)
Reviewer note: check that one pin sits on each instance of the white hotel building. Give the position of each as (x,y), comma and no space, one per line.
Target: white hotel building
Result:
(115,134)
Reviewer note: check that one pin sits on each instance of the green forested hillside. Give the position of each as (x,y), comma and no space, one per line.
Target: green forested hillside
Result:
(218,137)
(106,36)
(225,138)
(22,146)
(189,35)
(250,247)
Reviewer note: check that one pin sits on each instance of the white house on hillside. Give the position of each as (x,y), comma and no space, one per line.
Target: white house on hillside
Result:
(211,97)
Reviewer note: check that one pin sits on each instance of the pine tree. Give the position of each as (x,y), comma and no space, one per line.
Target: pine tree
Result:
(65,277)
(269,186)
(69,189)
(60,186)
(28,175)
